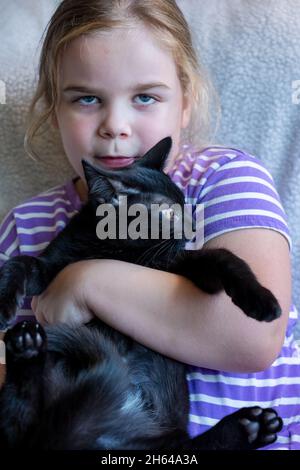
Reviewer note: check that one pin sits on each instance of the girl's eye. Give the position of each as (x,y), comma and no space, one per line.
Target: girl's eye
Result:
(145,99)
(87,100)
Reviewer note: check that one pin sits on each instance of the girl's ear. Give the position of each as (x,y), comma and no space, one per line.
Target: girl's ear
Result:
(186,110)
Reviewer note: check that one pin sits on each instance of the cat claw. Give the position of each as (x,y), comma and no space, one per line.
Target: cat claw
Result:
(260,425)
(25,340)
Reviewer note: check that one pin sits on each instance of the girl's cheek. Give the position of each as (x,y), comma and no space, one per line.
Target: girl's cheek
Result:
(78,128)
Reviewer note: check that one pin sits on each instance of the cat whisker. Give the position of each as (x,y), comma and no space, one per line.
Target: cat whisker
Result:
(158,252)
(173,250)
(148,252)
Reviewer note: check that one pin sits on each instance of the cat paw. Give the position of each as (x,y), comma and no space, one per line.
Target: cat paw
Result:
(260,426)
(257,302)
(26,340)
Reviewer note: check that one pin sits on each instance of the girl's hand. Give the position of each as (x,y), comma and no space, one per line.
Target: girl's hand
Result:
(64,301)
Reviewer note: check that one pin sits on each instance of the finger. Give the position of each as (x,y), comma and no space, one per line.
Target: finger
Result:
(44,320)
(40,317)
(34,303)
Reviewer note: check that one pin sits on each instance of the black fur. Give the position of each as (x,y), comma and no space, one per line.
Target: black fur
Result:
(90,387)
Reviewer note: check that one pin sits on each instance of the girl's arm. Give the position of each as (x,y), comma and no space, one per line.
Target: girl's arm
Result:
(169,314)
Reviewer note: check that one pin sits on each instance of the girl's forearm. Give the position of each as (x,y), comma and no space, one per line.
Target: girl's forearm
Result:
(167,313)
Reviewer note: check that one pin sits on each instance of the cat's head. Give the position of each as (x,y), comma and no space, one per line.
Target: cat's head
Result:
(143,183)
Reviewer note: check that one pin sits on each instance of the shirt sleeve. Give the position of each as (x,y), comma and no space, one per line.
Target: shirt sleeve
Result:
(240,193)
(10,247)
(9,244)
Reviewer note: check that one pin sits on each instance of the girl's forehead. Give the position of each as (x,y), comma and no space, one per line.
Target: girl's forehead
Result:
(123,42)
(120,51)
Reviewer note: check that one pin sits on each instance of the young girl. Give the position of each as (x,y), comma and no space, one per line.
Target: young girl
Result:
(116,76)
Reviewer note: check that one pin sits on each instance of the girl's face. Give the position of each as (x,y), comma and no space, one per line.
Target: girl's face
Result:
(119,95)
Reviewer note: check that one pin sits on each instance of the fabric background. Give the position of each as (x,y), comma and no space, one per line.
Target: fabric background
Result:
(251,50)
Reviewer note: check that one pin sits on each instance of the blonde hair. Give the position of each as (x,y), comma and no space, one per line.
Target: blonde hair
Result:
(74,18)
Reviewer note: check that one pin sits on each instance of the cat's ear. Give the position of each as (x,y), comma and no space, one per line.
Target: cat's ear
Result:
(104,185)
(156,157)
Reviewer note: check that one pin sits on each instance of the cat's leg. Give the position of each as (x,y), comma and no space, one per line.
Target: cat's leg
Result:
(19,276)
(246,429)
(21,394)
(215,269)
(28,275)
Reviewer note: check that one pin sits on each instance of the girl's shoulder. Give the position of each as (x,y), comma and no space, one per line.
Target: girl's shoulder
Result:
(233,187)
(29,226)
(199,166)
(58,199)
(62,196)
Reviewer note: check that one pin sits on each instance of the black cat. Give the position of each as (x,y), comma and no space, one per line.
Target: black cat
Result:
(91,387)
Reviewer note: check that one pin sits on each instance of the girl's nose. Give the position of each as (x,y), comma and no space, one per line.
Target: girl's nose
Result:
(115,124)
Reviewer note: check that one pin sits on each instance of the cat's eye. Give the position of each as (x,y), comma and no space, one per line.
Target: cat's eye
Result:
(169,213)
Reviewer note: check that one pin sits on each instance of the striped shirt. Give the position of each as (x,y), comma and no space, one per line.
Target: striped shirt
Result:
(237,192)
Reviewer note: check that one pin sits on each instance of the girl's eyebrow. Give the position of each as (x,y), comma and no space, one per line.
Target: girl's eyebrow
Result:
(137,87)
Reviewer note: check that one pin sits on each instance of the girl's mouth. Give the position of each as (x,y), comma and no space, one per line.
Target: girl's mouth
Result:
(115,162)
